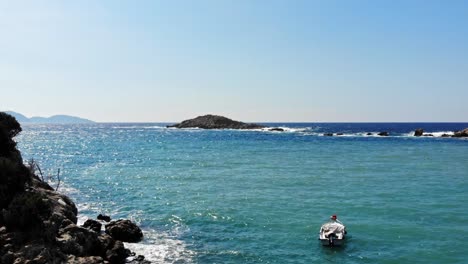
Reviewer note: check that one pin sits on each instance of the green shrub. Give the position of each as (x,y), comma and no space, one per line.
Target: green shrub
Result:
(10,124)
(26,211)
(13,177)
(13,174)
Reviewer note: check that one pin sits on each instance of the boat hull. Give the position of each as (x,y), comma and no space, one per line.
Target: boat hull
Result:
(334,243)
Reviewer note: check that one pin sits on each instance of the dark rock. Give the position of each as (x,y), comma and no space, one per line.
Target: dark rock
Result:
(113,250)
(139,260)
(369,134)
(118,253)
(66,223)
(214,122)
(85,260)
(383,134)
(461,133)
(35,252)
(79,241)
(445,135)
(7,258)
(428,135)
(339,134)
(418,132)
(93,225)
(104,218)
(276,129)
(328,134)
(124,230)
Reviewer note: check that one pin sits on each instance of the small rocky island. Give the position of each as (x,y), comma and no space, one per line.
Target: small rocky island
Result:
(39,225)
(215,122)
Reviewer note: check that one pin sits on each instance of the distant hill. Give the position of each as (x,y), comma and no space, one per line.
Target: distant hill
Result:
(56,119)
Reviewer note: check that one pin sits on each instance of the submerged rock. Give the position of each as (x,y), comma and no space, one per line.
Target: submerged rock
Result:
(124,230)
(328,134)
(215,122)
(383,134)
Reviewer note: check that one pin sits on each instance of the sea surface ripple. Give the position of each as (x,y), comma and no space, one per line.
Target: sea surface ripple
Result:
(229,196)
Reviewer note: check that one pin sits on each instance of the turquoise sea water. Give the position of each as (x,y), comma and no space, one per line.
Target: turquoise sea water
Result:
(227,196)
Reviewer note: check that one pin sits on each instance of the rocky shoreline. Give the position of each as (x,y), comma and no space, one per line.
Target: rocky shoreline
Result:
(417,133)
(38,225)
(221,122)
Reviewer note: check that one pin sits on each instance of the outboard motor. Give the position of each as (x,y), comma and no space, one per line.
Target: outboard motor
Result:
(331,239)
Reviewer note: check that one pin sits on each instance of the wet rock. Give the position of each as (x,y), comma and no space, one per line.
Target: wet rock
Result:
(445,135)
(418,132)
(139,260)
(339,134)
(369,134)
(427,135)
(461,133)
(383,134)
(124,230)
(276,129)
(328,134)
(93,225)
(214,122)
(104,218)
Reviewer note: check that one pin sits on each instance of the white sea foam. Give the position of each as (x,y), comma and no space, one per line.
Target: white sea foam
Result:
(157,247)
(434,134)
(286,129)
(162,247)
(440,133)
(138,127)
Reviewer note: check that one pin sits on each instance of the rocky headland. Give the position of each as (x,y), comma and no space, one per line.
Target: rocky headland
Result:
(215,122)
(39,225)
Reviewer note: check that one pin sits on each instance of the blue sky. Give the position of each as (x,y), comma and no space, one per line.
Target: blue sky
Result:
(345,61)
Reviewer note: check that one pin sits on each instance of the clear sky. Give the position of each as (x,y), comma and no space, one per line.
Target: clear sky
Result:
(347,61)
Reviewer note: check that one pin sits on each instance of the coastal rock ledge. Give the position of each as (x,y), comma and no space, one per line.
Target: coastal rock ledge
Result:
(461,133)
(215,122)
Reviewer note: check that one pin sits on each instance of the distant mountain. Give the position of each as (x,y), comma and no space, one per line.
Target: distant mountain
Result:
(56,119)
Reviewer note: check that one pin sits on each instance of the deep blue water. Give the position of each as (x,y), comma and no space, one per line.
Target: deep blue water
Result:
(228,196)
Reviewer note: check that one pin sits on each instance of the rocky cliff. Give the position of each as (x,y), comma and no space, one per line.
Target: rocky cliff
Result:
(39,225)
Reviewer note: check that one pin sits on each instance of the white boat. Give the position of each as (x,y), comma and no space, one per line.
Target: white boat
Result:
(332,233)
